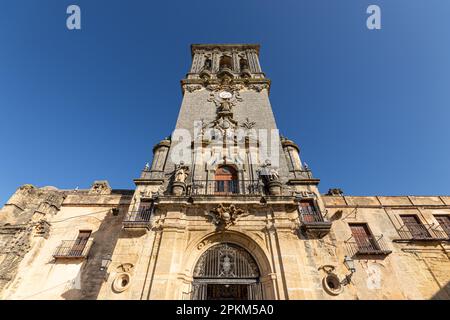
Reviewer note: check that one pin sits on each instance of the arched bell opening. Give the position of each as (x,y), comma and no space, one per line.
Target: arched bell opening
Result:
(225,63)
(226,271)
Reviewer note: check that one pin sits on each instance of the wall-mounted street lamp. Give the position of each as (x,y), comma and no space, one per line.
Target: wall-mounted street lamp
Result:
(106,261)
(350,265)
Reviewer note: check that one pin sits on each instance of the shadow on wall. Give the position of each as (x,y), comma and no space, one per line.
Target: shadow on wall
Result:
(443,293)
(90,279)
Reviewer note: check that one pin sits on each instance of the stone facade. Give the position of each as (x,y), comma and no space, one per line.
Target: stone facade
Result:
(226,221)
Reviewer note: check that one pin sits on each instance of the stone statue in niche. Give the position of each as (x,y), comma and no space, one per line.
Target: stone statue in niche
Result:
(267,173)
(271,178)
(207,65)
(274,175)
(181,173)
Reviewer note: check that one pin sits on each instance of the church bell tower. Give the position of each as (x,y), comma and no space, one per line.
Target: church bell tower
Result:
(223,188)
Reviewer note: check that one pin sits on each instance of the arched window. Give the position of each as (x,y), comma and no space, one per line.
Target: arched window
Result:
(225,62)
(243,63)
(207,65)
(226,180)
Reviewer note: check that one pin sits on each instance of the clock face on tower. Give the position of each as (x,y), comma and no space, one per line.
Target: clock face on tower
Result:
(225,95)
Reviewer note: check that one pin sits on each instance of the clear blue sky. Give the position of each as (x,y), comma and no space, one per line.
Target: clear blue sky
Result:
(369,109)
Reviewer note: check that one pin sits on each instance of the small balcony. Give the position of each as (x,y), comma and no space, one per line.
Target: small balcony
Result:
(369,245)
(313,222)
(73,249)
(138,219)
(226,188)
(421,232)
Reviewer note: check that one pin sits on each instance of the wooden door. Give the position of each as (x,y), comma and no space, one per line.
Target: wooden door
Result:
(226,180)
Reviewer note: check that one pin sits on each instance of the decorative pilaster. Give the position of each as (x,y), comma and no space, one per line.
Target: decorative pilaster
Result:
(197,61)
(215,60)
(235,61)
(253,61)
(194,66)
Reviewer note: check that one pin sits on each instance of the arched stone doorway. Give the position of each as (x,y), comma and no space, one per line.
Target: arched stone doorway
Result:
(226,271)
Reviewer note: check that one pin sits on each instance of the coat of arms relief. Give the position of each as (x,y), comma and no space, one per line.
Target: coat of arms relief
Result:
(225,216)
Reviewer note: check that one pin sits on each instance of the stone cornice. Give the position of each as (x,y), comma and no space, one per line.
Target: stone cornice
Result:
(148,181)
(251,84)
(224,46)
(304,181)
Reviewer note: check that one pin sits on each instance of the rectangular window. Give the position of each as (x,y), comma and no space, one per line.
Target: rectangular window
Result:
(416,229)
(444,222)
(80,243)
(309,211)
(144,212)
(363,237)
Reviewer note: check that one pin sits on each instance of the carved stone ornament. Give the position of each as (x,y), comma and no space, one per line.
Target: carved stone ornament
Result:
(258,87)
(42,229)
(121,282)
(225,216)
(305,194)
(192,87)
(125,267)
(268,173)
(181,172)
(225,98)
(100,187)
(248,124)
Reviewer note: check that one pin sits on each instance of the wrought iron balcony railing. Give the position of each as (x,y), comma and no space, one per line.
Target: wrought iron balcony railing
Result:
(422,232)
(370,245)
(314,222)
(73,249)
(138,219)
(311,217)
(226,188)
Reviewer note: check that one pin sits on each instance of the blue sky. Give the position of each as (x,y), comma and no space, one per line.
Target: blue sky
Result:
(369,109)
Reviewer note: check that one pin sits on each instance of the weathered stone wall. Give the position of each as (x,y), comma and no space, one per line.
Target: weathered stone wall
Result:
(28,269)
(159,262)
(163,258)
(414,269)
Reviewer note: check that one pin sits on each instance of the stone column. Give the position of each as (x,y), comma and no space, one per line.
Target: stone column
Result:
(196,62)
(253,62)
(256,57)
(253,158)
(164,278)
(215,60)
(235,61)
